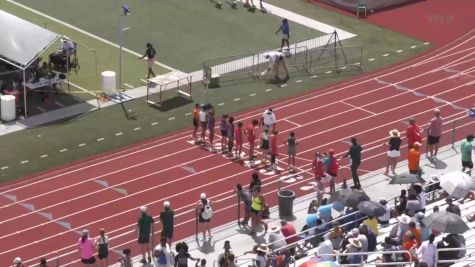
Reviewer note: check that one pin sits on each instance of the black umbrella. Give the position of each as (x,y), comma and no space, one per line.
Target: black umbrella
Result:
(348,197)
(371,208)
(407,178)
(446,222)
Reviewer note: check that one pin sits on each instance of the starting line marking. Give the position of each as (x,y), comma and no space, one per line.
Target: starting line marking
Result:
(100,139)
(298,81)
(188,114)
(414,46)
(314,76)
(328,72)
(426,43)
(399,51)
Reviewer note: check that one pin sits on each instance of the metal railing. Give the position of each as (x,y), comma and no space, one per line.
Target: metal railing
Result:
(365,263)
(466,258)
(252,261)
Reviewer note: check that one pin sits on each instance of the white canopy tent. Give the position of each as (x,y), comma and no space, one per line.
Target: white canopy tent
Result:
(22,42)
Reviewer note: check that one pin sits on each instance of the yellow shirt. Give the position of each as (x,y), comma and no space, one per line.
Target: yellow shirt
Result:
(372,224)
(256,203)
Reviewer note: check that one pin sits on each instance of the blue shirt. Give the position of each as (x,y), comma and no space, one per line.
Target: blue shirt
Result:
(325,212)
(285,28)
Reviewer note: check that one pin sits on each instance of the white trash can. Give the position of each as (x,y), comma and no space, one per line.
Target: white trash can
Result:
(109,82)
(8,107)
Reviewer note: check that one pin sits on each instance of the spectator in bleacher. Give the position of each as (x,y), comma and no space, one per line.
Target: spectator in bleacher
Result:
(258,205)
(388,246)
(336,236)
(276,240)
(331,167)
(466,152)
(451,207)
(425,231)
(102,244)
(413,159)
(355,155)
(415,232)
(86,249)
(409,244)
(370,237)
(426,252)
(182,256)
(325,210)
(413,134)
(451,241)
(200,263)
(435,131)
(17,262)
(162,254)
(231,260)
(402,227)
(223,257)
(394,144)
(126,260)
(255,181)
(312,207)
(167,216)
(290,234)
(435,209)
(413,205)
(372,223)
(145,228)
(325,247)
(384,219)
(43,263)
(283,259)
(260,250)
(245,196)
(402,199)
(363,241)
(354,246)
(421,196)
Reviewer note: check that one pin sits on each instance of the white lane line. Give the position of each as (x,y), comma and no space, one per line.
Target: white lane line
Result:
(44,156)
(128,86)
(154,123)
(314,76)
(291,122)
(4,167)
(360,108)
(328,72)
(100,139)
(268,90)
(137,128)
(426,43)
(25,161)
(237,99)
(385,55)
(63,150)
(188,114)
(172,118)
(371,59)
(119,134)
(221,104)
(399,51)
(298,81)
(253,94)
(82,144)
(414,46)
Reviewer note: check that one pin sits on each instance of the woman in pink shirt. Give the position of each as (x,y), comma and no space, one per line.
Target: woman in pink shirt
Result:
(273,150)
(86,249)
(435,131)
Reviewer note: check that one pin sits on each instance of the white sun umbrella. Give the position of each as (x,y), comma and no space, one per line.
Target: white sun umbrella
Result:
(457,184)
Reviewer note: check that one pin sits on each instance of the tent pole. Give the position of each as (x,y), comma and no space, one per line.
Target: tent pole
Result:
(24,93)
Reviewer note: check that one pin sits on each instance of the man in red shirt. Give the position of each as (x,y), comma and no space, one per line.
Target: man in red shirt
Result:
(274,151)
(251,137)
(413,134)
(290,234)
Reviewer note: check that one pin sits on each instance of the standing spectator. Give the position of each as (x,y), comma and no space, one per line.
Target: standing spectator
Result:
(204,124)
(394,145)
(182,256)
(102,244)
(145,228)
(261,251)
(86,249)
(427,252)
(126,259)
(354,246)
(258,204)
(204,214)
(413,205)
(167,216)
(370,236)
(150,53)
(409,244)
(325,210)
(416,233)
(251,137)
(276,239)
(451,207)
(355,156)
(285,29)
(425,231)
(264,145)
(290,234)
(421,196)
(245,196)
(372,223)
(211,123)
(255,181)
(414,158)
(277,60)
(384,219)
(273,151)
(291,144)
(336,236)
(435,131)
(223,257)
(402,227)
(43,263)
(268,119)
(163,254)
(466,152)
(230,135)
(413,134)
(332,166)
(363,240)
(17,262)
(238,136)
(224,126)
(388,246)
(196,120)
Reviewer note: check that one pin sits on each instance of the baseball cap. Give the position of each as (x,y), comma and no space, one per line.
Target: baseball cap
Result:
(203,196)
(143,209)
(17,260)
(166,204)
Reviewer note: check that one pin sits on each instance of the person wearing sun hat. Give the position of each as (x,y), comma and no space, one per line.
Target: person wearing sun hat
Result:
(276,240)
(393,144)
(145,228)
(17,262)
(402,227)
(413,159)
(354,246)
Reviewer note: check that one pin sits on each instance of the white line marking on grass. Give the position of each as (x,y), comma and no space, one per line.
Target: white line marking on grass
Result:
(314,76)
(426,43)
(25,161)
(221,104)
(128,85)
(81,144)
(44,156)
(172,118)
(237,99)
(253,94)
(85,32)
(283,85)
(100,139)
(59,104)
(63,150)
(136,129)
(328,72)
(268,90)
(144,81)
(81,88)
(4,167)
(119,134)
(371,59)
(342,68)
(154,123)
(385,55)
(399,51)
(188,114)
(298,81)
(414,46)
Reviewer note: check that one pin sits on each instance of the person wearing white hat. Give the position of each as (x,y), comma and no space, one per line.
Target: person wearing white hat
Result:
(402,227)
(323,249)
(276,60)
(167,216)
(145,228)
(394,145)
(17,262)
(204,212)
(86,249)
(276,239)
(435,131)
(354,246)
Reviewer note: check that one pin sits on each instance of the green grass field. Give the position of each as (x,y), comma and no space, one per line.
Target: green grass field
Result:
(187,32)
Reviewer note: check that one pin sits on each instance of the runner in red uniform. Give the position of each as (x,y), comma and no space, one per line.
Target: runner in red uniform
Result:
(251,137)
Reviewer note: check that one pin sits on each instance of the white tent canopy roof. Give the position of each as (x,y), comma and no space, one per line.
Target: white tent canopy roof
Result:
(21,42)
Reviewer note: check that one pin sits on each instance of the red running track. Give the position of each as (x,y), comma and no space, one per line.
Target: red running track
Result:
(41,215)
